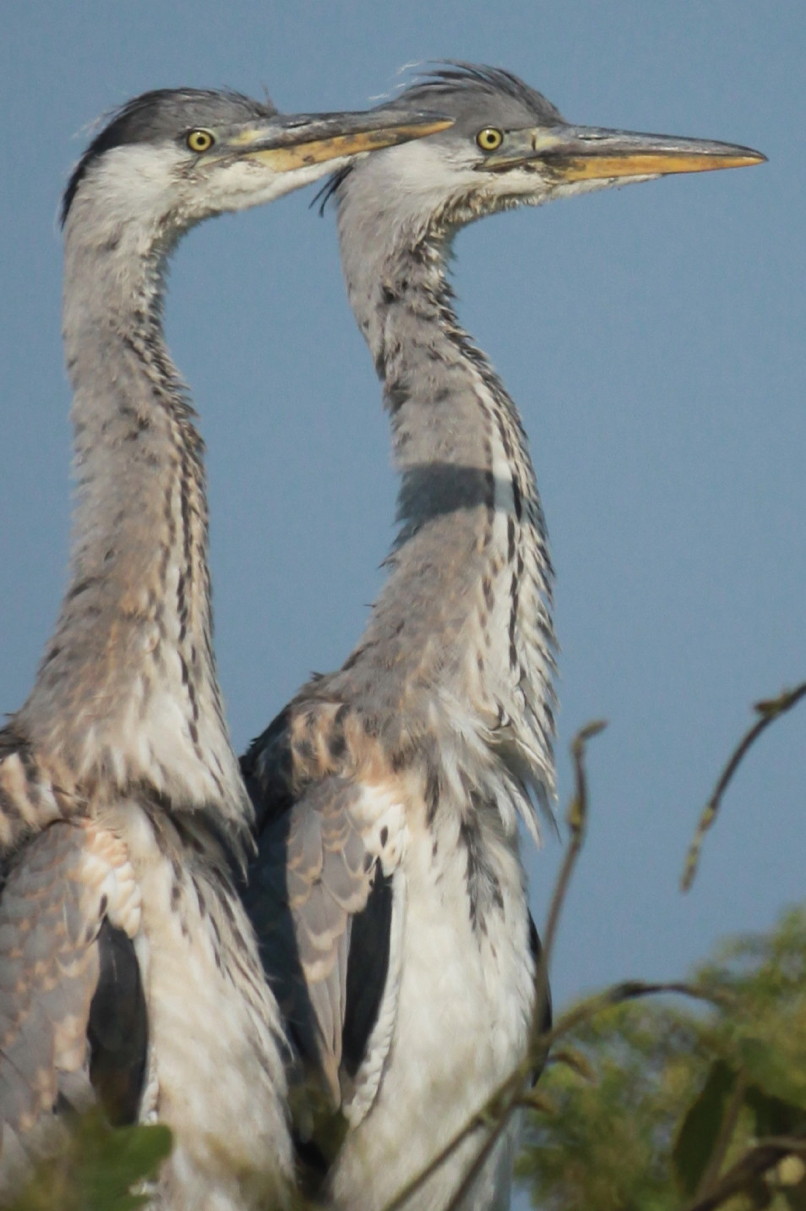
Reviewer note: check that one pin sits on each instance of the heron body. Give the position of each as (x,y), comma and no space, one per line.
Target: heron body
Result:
(389,893)
(130,972)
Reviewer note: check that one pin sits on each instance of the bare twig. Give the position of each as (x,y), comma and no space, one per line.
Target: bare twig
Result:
(629,990)
(577,820)
(768,710)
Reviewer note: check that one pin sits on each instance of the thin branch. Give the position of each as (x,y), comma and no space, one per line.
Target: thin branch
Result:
(768,710)
(763,1157)
(577,820)
(629,990)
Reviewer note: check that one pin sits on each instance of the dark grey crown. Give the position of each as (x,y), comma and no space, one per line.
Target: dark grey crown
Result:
(164,113)
(456,86)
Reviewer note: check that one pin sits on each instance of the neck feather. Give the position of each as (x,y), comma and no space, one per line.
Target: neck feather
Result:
(127,692)
(463,622)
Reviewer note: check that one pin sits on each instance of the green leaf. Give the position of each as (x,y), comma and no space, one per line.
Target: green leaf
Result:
(701,1127)
(769,1068)
(772,1115)
(126,1156)
(97,1168)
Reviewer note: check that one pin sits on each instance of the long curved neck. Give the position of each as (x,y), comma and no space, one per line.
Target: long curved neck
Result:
(127,692)
(463,622)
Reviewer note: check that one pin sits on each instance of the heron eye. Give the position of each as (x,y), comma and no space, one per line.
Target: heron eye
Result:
(490,138)
(200,140)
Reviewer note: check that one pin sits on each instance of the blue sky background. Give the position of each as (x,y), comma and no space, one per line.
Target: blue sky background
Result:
(652,337)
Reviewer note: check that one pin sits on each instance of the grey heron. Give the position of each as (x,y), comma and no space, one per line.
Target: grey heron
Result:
(128,968)
(389,893)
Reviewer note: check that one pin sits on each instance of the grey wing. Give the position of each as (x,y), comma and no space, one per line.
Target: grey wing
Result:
(326,897)
(68,912)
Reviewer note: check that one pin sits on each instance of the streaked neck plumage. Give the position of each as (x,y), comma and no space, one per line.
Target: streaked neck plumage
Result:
(462,628)
(127,694)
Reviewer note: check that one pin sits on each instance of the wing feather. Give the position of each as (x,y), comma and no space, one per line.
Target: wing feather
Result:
(64,886)
(319,890)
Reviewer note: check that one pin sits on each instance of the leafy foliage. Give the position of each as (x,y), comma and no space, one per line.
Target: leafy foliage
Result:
(98,1168)
(685,1109)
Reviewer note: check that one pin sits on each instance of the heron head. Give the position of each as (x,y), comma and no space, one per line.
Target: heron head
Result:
(508,146)
(172,157)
